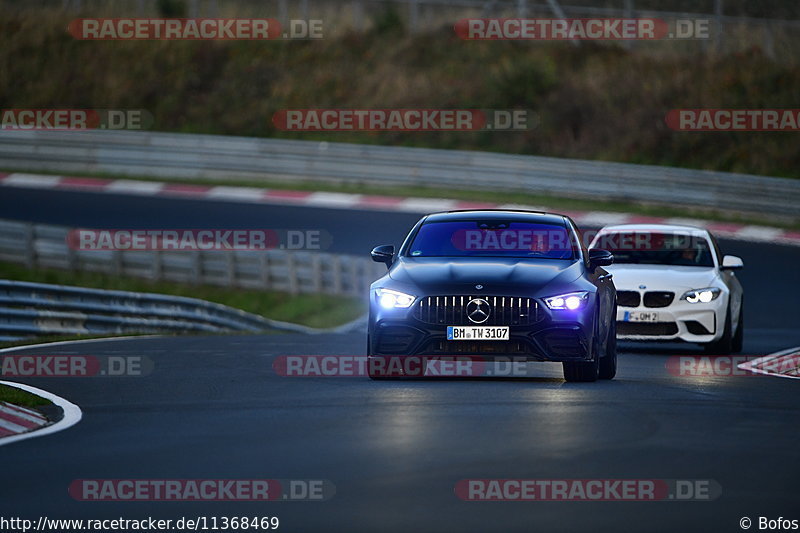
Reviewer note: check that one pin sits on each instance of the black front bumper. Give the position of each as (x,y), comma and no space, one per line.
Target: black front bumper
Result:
(545,340)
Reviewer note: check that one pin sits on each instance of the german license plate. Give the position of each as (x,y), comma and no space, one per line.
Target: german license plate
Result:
(641,316)
(477,333)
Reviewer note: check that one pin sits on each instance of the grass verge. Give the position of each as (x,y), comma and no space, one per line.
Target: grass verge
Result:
(315,310)
(20,397)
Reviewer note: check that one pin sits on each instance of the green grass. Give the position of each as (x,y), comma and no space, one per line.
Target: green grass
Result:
(21,397)
(315,310)
(597,101)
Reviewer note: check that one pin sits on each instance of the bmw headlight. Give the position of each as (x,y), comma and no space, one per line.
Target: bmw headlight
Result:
(701,295)
(570,301)
(389,299)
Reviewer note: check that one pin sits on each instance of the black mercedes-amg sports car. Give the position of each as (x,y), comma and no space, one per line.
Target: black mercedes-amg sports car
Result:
(494,284)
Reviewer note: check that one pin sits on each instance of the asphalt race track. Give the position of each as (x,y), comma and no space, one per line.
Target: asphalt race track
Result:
(214,408)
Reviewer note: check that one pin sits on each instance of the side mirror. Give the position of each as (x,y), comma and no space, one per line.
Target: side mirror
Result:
(731,262)
(598,258)
(383,254)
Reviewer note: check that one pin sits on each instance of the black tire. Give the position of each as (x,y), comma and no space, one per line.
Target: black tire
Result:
(724,346)
(584,371)
(608,363)
(738,339)
(581,371)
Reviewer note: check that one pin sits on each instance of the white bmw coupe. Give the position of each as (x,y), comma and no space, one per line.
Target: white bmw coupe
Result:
(673,284)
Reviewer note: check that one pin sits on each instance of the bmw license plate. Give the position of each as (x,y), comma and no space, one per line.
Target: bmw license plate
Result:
(477,333)
(641,316)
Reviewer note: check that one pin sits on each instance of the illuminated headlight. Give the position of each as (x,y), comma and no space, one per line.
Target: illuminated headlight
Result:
(702,296)
(390,299)
(570,301)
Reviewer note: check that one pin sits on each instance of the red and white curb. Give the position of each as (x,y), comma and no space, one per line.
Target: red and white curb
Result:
(15,419)
(335,200)
(784,364)
(18,423)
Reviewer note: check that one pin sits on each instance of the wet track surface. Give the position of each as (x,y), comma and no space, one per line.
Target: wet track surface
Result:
(214,408)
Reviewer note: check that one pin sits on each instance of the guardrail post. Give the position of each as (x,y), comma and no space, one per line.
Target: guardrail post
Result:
(291,271)
(72,259)
(158,265)
(197,267)
(30,249)
(230,268)
(336,266)
(116,262)
(264,265)
(355,279)
(316,273)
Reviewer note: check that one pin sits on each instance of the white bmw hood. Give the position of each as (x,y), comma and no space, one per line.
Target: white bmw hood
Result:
(662,277)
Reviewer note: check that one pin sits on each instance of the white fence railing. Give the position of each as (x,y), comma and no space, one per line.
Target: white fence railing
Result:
(280,270)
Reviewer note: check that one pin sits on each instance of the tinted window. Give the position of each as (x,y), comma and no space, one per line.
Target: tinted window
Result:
(649,248)
(492,238)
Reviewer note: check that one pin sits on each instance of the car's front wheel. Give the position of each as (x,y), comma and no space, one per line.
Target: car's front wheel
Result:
(608,363)
(724,345)
(581,371)
(738,339)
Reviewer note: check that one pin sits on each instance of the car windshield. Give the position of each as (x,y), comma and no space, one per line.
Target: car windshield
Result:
(492,238)
(653,248)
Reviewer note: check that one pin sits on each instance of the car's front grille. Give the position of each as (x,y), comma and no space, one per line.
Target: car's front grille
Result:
(628,298)
(647,328)
(452,310)
(658,298)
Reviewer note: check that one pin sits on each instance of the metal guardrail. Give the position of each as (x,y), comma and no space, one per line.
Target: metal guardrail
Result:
(189,156)
(34,309)
(31,309)
(294,272)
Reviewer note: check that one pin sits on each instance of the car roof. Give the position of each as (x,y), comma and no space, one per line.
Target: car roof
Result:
(497,214)
(665,228)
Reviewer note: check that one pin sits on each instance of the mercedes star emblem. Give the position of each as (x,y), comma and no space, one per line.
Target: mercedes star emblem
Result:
(478,310)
